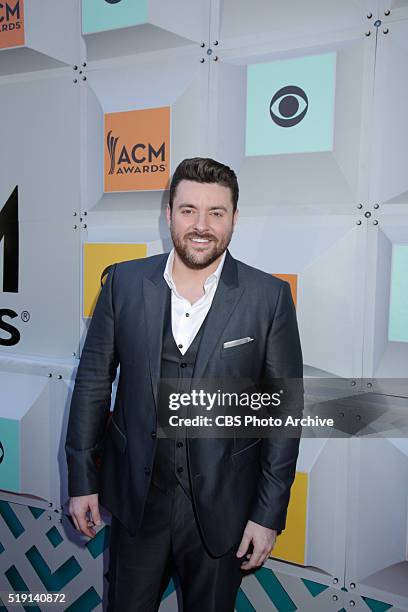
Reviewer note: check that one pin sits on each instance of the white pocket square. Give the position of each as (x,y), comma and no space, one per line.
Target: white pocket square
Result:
(231,343)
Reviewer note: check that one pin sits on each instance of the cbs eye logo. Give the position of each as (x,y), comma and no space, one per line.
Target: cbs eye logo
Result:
(291,108)
(113,1)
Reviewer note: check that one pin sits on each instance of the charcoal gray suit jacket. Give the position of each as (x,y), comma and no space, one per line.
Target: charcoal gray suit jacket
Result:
(112,454)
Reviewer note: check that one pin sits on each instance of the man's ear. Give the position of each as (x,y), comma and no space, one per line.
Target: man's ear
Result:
(235,217)
(168,214)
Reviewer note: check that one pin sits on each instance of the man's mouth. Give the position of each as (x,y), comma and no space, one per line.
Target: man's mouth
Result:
(200,240)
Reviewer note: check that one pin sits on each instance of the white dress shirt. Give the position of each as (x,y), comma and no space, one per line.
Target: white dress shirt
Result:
(187,318)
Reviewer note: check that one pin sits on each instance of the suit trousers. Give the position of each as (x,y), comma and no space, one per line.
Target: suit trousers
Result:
(169,541)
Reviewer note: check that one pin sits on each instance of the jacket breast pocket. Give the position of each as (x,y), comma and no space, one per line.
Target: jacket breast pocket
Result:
(246,455)
(118,437)
(240,350)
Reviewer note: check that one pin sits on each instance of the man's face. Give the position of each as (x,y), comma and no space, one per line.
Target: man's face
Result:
(201,222)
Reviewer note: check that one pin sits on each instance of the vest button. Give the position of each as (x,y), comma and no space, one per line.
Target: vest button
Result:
(183,365)
(154,435)
(147,470)
(180,469)
(180,444)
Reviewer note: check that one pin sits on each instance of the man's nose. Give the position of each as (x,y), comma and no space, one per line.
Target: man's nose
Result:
(201,222)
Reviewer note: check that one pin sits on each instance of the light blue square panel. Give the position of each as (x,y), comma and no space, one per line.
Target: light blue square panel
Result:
(398,317)
(290,105)
(100,15)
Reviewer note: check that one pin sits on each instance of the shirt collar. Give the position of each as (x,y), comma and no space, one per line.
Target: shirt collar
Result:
(212,278)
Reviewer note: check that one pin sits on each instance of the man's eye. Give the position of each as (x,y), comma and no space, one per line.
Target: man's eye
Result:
(217,214)
(186,211)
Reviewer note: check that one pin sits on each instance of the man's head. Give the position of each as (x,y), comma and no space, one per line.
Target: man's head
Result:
(202,210)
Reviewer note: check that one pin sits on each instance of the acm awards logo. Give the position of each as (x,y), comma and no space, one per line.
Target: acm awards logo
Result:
(9,235)
(11,23)
(134,160)
(288,106)
(10,16)
(136,149)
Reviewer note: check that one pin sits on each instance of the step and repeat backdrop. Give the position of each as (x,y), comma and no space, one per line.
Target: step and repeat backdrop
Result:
(99,102)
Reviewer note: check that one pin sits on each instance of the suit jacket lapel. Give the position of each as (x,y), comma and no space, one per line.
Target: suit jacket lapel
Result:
(155,291)
(225,300)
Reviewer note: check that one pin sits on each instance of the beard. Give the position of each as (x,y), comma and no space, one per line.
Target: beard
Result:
(194,258)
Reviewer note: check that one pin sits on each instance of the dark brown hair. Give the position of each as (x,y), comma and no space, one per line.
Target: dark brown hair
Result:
(205,170)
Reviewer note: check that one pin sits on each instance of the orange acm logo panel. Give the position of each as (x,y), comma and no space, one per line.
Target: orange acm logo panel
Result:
(137,150)
(11,23)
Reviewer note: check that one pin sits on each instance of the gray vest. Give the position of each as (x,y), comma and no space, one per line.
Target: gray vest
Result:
(171,461)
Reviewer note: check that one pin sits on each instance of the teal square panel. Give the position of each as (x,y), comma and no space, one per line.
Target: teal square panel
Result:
(100,15)
(9,455)
(290,105)
(398,318)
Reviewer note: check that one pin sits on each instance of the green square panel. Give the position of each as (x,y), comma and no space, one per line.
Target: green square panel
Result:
(100,15)
(9,455)
(290,105)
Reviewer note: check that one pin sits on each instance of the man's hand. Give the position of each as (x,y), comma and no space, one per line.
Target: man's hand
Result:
(78,509)
(263,541)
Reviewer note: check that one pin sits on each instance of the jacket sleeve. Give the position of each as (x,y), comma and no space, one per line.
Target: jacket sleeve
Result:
(283,366)
(91,398)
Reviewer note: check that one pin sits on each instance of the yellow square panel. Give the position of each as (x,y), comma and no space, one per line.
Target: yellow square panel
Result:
(291,544)
(98,257)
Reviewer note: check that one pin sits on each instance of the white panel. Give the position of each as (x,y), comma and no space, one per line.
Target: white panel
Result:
(327,254)
(389,178)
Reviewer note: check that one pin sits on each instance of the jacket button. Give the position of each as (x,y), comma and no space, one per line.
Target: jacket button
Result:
(183,365)
(179,444)
(147,470)
(180,469)
(153,434)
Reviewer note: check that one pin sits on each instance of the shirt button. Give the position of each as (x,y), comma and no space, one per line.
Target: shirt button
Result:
(180,345)
(180,470)
(183,365)
(187,314)
(180,444)
(147,470)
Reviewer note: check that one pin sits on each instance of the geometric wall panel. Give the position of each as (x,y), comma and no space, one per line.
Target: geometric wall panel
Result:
(327,255)
(124,27)
(175,89)
(33,416)
(386,347)
(315,531)
(38,193)
(293,140)
(388,179)
(38,35)
(377,518)
(241,22)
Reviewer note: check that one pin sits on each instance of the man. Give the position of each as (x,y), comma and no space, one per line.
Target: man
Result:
(208,508)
